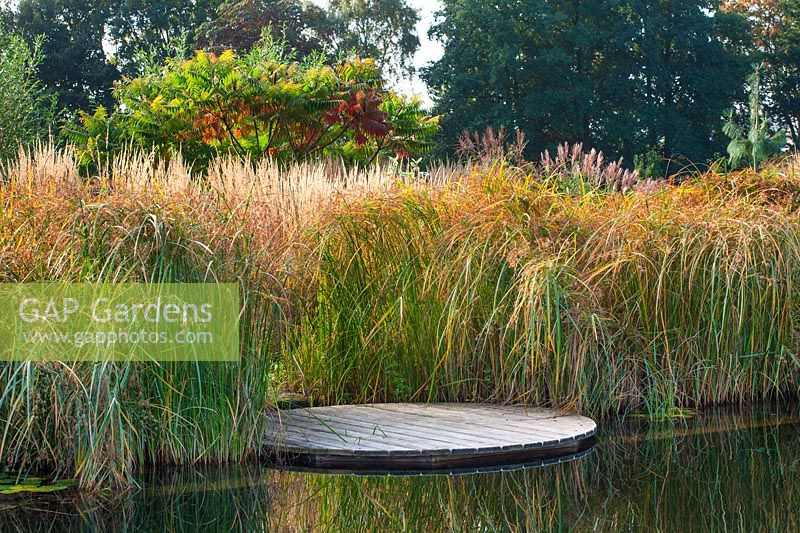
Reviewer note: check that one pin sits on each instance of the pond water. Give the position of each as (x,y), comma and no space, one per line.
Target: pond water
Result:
(720,471)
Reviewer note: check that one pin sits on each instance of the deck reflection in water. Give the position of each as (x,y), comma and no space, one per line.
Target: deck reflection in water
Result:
(718,471)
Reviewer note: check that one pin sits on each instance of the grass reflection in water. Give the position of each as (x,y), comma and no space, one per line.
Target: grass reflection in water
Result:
(721,471)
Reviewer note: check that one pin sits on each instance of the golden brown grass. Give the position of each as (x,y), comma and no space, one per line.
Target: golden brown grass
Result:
(471,284)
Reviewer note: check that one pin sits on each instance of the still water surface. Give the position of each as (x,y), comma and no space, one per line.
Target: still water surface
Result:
(721,471)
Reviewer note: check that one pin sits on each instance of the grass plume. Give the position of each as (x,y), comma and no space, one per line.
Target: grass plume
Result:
(474,284)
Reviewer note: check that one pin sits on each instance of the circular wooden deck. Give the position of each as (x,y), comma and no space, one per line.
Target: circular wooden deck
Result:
(386,437)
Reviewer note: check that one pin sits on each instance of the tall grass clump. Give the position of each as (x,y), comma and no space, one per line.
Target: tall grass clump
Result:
(142,222)
(477,283)
(496,287)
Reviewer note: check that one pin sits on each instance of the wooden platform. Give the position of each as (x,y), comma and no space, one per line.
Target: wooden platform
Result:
(426,436)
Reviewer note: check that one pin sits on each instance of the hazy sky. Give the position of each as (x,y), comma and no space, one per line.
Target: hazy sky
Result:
(428,51)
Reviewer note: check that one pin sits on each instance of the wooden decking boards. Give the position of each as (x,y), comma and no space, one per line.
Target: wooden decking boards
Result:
(408,436)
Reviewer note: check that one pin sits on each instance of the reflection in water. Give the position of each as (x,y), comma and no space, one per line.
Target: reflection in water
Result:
(716,472)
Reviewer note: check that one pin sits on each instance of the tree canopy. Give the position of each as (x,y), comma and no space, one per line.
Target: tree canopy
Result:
(634,78)
(74,64)
(381,29)
(384,30)
(626,75)
(239,25)
(155,26)
(774,25)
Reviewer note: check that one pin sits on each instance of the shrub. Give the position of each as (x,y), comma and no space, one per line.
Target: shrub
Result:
(649,165)
(261,104)
(25,109)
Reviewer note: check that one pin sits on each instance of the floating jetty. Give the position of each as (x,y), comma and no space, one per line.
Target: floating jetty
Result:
(389,437)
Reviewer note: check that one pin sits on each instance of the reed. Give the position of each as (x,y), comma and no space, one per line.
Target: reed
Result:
(144,222)
(504,287)
(467,284)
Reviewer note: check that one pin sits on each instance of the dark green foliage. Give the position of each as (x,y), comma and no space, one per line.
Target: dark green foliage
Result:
(239,24)
(775,28)
(620,74)
(515,64)
(145,25)
(688,70)
(787,70)
(74,65)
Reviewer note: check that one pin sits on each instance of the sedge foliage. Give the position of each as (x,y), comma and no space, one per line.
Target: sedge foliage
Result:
(505,287)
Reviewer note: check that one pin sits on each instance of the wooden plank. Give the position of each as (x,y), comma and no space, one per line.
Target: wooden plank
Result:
(294,443)
(550,432)
(417,442)
(321,438)
(404,426)
(546,429)
(514,418)
(416,439)
(455,432)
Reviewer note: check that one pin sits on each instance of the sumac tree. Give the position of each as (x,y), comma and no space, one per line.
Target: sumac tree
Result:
(261,104)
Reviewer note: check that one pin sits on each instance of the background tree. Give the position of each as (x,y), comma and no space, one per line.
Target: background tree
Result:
(547,68)
(381,29)
(239,24)
(690,68)
(774,25)
(786,71)
(155,26)
(74,65)
(625,75)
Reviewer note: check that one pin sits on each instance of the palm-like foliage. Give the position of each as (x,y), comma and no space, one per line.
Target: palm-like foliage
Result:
(758,143)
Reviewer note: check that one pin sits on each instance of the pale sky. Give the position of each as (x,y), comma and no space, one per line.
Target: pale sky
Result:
(428,50)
